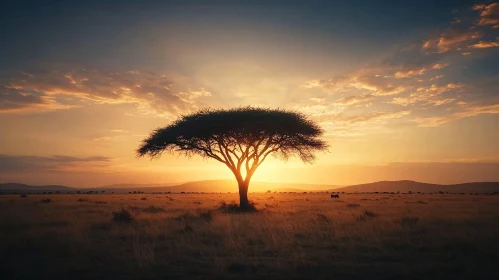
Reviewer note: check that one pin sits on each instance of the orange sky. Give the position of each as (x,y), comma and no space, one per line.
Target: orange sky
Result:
(420,105)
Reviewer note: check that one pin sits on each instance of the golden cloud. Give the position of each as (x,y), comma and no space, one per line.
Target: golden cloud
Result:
(436,78)
(27,164)
(405,74)
(357,125)
(374,117)
(372,80)
(484,45)
(465,112)
(419,71)
(428,95)
(151,92)
(489,14)
(14,99)
(352,100)
(451,40)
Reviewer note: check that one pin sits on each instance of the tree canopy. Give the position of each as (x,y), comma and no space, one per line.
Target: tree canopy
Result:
(241,138)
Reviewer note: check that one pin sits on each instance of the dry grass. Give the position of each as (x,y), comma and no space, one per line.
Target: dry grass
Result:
(292,236)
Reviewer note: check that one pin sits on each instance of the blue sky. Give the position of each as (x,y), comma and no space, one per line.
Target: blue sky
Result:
(92,33)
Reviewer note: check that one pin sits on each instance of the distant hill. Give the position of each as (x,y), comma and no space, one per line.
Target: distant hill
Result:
(198,186)
(7,187)
(406,186)
(298,190)
(129,186)
(231,186)
(226,186)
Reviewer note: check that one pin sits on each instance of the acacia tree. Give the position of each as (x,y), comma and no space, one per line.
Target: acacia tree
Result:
(240,138)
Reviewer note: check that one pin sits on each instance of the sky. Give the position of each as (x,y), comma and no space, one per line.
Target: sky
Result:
(403,89)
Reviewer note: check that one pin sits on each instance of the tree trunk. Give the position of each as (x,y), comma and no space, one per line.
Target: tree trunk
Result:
(243,195)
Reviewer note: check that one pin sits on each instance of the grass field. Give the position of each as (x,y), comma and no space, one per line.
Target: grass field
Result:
(293,236)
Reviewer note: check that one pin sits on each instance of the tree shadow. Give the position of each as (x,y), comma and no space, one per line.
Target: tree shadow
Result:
(233,208)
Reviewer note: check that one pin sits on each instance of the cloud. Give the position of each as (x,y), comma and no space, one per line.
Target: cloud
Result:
(420,71)
(324,110)
(192,97)
(374,117)
(409,76)
(489,14)
(465,112)
(436,78)
(328,84)
(466,34)
(428,95)
(352,100)
(318,100)
(390,76)
(364,79)
(342,125)
(484,45)
(14,99)
(103,138)
(379,85)
(451,39)
(314,109)
(10,163)
(51,90)
(341,118)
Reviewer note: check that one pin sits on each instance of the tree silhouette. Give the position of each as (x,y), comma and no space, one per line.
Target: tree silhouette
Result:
(240,138)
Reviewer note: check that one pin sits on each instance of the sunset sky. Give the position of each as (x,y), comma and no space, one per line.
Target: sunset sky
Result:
(403,89)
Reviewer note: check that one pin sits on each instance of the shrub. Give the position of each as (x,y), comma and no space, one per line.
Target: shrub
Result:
(206,215)
(353,205)
(24,195)
(144,198)
(185,217)
(408,221)
(369,214)
(321,218)
(46,200)
(123,216)
(153,209)
(366,216)
(203,216)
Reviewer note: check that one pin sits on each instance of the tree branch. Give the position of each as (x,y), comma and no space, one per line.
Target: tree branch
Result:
(243,157)
(225,154)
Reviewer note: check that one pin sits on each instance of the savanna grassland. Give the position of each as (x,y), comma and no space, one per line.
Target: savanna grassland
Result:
(293,236)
